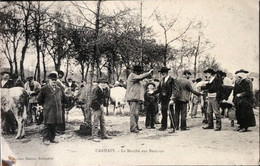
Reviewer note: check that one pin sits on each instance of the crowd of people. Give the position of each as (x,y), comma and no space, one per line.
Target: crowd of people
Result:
(174,97)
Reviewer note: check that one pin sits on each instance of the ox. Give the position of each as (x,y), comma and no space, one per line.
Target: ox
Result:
(117,98)
(15,100)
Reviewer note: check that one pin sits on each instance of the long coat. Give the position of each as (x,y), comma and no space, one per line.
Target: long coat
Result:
(134,89)
(167,89)
(52,104)
(244,104)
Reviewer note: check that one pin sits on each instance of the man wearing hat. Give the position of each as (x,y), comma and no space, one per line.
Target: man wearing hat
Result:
(8,119)
(97,103)
(51,98)
(32,88)
(182,99)
(135,95)
(6,82)
(168,90)
(213,87)
(243,100)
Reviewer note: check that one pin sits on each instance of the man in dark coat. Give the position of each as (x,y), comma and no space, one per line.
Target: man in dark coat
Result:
(213,88)
(6,82)
(97,103)
(182,99)
(243,100)
(168,90)
(51,98)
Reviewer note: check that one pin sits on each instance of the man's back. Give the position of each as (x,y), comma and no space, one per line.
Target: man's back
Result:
(185,88)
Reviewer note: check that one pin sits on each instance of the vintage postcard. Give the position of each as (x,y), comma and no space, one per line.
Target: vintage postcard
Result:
(129,82)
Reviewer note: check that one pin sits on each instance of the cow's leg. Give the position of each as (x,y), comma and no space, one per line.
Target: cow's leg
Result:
(19,121)
(24,116)
(114,109)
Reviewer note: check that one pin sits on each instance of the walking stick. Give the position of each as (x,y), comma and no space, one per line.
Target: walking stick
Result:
(171,117)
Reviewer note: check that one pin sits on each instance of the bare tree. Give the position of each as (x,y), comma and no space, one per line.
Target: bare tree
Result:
(169,26)
(11,34)
(39,18)
(201,45)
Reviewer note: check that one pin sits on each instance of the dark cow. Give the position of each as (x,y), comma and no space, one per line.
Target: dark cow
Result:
(15,100)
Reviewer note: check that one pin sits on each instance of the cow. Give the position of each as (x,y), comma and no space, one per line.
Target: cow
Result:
(15,100)
(117,98)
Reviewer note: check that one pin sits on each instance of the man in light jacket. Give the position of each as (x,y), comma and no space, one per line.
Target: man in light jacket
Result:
(182,99)
(135,95)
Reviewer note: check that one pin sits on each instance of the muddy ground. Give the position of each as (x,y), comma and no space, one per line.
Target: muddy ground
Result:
(149,147)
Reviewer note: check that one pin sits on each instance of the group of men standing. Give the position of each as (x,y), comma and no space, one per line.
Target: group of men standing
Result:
(176,91)
(169,92)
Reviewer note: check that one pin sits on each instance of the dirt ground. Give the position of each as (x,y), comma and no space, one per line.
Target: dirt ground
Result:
(149,147)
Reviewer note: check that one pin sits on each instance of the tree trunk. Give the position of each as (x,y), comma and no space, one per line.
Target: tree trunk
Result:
(35,71)
(196,55)
(27,36)
(38,61)
(44,66)
(11,66)
(15,59)
(67,70)
(82,67)
(87,71)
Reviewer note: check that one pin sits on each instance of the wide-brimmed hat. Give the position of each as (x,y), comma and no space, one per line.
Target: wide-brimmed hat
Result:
(53,75)
(186,72)
(102,80)
(221,73)
(137,68)
(242,71)
(211,71)
(29,78)
(198,80)
(164,69)
(5,72)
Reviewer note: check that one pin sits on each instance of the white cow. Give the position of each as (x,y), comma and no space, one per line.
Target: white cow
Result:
(15,100)
(117,97)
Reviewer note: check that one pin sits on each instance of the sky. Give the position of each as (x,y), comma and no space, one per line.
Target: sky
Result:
(232,25)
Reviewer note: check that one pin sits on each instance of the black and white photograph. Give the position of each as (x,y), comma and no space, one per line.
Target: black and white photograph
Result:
(129,82)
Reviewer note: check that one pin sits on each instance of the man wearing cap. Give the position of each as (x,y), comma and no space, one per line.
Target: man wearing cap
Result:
(6,82)
(168,90)
(32,88)
(243,100)
(135,95)
(213,87)
(182,99)
(51,98)
(97,103)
